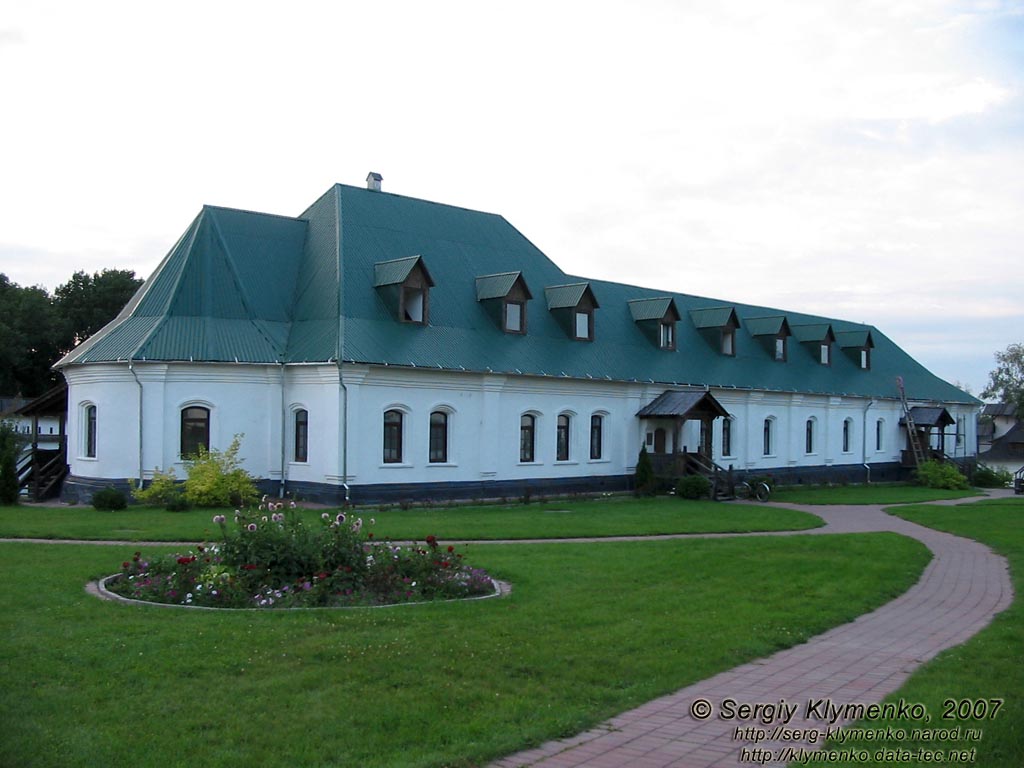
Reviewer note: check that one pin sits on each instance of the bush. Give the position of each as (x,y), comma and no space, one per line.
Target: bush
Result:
(109,499)
(216,479)
(987,477)
(693,487)
(938,474)
(276,560)
(11,444)
(162,490)
(644,478)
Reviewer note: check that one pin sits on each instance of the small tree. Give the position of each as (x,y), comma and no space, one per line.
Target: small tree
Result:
(1006,382)
(11,443)
(644,480)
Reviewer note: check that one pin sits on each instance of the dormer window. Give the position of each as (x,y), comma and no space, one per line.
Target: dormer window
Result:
(780,348)
(405,285)
(504,296)
(656,319)
(572,306)
(772,333)
(717,325)
(817,338)
(667,334)
(584,325)
(857,345)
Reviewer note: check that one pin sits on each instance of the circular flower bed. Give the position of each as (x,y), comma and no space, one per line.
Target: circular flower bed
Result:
(271,559)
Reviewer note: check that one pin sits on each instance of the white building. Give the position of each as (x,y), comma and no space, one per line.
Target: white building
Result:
(380,347)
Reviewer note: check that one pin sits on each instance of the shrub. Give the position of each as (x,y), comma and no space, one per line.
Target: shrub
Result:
(216,478)
(987,477)
(644,478)
(11,444)
(938,474)
(693,487)
(109,499)
(162,490)
(275,560)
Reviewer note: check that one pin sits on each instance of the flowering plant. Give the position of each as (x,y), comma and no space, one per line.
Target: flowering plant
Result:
(270,558)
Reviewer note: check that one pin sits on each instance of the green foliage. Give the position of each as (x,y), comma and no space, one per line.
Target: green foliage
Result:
(940,474)
(644,479)
(162,490)
(109,499)
(276,560)
(1006,382)
(693,487)
(216,478)
(86,303)
(988,477)
(11,443)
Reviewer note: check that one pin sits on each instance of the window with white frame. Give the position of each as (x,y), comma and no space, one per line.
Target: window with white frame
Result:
(438,449)
(300,447)
(596,437)
(527,438)
(562,437)
(195,430)
(90,431)
(394,421)
(768,437)
(847,435)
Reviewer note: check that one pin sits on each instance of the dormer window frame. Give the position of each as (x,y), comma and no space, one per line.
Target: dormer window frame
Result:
(817,339)
(573,307)
(825,353)
(405,285)
(728,347)
(667,334)
(781,348)
(657,319)
(498,293)
(717,325)
(857,344)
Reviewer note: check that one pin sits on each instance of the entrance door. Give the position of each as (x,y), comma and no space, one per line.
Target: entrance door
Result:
(659,440)
(705,438)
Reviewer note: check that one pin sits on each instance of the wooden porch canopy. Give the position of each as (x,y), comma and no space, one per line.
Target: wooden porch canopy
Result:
(683,405)
(929,417)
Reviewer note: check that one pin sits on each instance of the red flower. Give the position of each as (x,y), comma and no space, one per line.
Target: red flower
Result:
(124,564)
(370,535)
(445,564)
(186,560)
(451,548)
(431,541)
(249,567)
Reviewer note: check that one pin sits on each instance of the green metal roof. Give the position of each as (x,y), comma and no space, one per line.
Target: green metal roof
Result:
(258,288)
(855,339)
(495,286)
(713,317)
(766,326)
(567,296)
(809,332)
(652,309)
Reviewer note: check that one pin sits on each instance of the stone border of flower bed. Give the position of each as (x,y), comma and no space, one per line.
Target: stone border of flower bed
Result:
(98,588)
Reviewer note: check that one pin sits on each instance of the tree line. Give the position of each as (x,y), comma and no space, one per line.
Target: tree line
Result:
(37,328)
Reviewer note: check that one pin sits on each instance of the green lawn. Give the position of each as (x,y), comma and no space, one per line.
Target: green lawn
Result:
(986,667)
(604,517)
(588,631)
(867,494)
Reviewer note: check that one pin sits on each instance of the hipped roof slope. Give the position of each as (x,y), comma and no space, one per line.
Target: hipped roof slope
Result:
(256,288)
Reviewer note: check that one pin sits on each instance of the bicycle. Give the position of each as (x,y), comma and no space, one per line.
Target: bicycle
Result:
(758,490)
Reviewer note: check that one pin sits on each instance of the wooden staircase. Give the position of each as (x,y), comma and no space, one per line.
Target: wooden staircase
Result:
(41,471)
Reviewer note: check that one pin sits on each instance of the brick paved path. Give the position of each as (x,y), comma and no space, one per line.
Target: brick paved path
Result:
(963,587)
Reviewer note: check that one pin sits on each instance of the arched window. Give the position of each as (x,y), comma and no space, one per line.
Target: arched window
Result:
(596,436)
(90,431)
(769,437)
(879,432)
(562,439)
(438,452)
(527,441)
(809,436)
(393,437)
(847,434)
(727,436)
(301,435)
(195,430)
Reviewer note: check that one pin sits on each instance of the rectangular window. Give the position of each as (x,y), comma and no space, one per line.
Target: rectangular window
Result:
(668,335)
(90,432)
(562,448)
(583,326)
(438,437)
(809,436)
(195,430)
(826,354)
(780,348)
(596,438)
(727,437)
(729,342)
(393,437)
(865,359)
(846,435)
(514,317)
(414,302)
(767,443)
(526,438)
(301,435)
(878,434)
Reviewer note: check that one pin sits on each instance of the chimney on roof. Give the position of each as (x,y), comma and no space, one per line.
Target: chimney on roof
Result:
(373,181)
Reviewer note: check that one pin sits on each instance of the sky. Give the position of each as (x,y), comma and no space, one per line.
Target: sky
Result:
(860,160)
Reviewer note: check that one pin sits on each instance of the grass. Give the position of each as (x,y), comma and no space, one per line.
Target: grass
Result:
(867,494)
(589,630)
(605,517)
(988,665)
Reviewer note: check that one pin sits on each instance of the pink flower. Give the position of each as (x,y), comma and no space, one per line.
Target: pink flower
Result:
(251,527)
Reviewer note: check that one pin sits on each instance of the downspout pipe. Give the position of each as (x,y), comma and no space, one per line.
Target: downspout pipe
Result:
(131,368)
(864,441)
(284,440)
(343,414)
